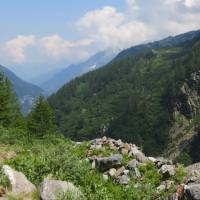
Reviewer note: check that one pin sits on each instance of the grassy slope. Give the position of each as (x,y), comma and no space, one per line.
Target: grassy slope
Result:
(59,158)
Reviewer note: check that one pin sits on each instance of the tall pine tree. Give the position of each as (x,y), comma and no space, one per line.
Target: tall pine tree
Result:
(41,119)
(10,114)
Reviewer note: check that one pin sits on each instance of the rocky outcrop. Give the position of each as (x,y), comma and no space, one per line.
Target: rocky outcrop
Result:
(54,189)
(186,109)
(192,192)
(114,165)
(119,162)
(168,170)
(19,183)
(193,173)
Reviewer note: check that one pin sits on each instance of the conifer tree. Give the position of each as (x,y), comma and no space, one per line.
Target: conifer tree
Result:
(10,114)
(41,119)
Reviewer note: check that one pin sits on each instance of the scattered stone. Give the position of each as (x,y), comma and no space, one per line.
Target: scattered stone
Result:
(141,157)
(137,173)
(124,151)
(162,161)
(133,151)
(127,147)
(161,188)
(19,182)
(112,165)
(106,163)
(118,143)
(104,139)
(2,191)
(165,185)
(193,191)
(78,143)
(93,164)
(52,189)
(96,146)
(105,177)
(173,197)
(193,173)
(132,164)
(126,172)
(113,147)
(120,171)
(124,180)
(112,172)
(168,171)
(152,159)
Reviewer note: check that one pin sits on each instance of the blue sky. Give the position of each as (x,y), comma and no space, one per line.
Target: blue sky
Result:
(45,17)
(37,35)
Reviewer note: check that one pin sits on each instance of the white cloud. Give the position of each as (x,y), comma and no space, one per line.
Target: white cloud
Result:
(132,5)
(15,48)
(168,17)
(109,28)
(191,3)
(103,17)
(58,48)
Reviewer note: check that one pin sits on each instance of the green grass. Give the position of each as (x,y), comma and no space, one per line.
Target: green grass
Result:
(61,159)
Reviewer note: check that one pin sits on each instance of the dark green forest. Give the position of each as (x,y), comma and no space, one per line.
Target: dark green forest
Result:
(131,98)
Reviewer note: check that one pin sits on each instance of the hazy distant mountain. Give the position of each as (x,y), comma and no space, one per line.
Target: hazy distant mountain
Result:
(26,92)
(66,75)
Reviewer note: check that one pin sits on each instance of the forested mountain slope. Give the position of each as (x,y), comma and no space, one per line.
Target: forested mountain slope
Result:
(135,97)
(26,92)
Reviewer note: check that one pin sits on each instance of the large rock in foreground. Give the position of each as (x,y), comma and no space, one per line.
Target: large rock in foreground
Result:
(193,192)
(54,189)
(19,183)
(193,173)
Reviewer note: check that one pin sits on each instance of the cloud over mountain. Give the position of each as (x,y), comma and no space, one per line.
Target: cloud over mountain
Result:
(107,27)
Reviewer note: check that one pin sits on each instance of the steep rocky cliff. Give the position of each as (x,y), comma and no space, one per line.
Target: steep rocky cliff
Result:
(186,117)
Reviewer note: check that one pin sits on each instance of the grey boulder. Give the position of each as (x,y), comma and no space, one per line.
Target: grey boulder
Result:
(193,173)
(192,192)
(168,170)
(106,163)
(54,189)
(19,183)
(124,180)
(132,164)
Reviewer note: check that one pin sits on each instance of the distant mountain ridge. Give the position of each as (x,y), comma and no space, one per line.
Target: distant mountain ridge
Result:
(26,92)
(164,43)
(75,70)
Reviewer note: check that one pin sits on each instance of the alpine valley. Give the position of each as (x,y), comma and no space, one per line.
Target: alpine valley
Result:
(122,127)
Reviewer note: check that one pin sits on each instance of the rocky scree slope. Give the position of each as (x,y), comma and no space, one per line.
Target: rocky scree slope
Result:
(137,97)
